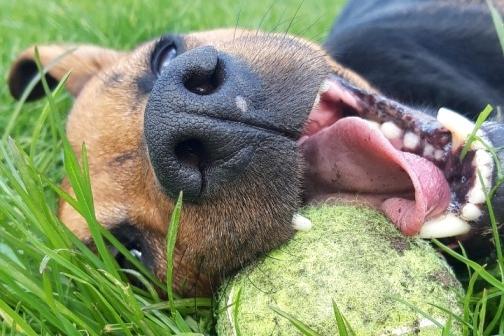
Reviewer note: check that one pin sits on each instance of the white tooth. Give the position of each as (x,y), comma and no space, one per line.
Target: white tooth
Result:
(411,140)
(484,165)
(391,130)
(428,150)
(483,162)
(317,100)
(438,154)
(325,86)
(476,195)
(482,157)
(301,223)
(471,212)
(485,172)
(373,124)
(459,126)
(444,226)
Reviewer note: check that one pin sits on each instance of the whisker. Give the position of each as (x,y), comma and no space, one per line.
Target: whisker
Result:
(268,11)
(294,17)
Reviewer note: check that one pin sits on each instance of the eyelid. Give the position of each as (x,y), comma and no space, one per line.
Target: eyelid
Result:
(160,45)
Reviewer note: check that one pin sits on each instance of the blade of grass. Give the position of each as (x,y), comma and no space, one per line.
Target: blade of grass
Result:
(344,328)
(16,322)
(482,117)
(475,266)
(171,239)
(26,93)
(418,310)
(498,23)
(302,327)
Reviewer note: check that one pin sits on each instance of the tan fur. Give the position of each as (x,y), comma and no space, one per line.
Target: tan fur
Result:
(108,117)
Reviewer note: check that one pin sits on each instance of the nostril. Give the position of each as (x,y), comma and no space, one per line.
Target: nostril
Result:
(205,83)
(192,152)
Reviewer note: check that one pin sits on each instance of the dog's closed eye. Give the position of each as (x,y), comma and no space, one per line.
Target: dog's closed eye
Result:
(165,50)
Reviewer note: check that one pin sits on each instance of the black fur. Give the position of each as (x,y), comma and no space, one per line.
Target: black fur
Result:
(423,52)
(430,54)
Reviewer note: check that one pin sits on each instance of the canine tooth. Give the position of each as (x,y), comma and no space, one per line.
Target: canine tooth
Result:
(411,140)
(428,150)
(438,154)
(471,212)
(444,226)
(459,126)
(482,157)
(485,172)
(391,130)
(241,103)
(301,223)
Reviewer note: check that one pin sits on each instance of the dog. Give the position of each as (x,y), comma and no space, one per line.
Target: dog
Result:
(250,126)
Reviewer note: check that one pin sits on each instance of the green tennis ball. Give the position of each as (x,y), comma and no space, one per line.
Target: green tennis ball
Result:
(355,257)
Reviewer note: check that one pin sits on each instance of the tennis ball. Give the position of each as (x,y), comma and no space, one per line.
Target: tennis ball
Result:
(357,258)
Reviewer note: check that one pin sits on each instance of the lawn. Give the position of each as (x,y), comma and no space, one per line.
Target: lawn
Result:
(50,284)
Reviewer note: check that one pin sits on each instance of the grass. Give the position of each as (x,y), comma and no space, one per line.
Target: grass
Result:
(50,283)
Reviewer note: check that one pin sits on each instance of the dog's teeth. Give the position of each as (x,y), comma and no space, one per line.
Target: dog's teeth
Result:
(476,195)
(471,212)
(485,172)
(438,155)
(136,253)
(411,140)
(444,226)
(326,85)
(317,100)
(373,124)
(459,126)
(301,223)
(428,150)
(484,164)
(391,130)
(482,158)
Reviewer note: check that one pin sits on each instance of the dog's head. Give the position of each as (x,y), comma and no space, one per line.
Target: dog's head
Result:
(213,114)
(220,115)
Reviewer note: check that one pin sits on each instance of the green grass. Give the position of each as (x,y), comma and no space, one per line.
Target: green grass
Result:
(50,283)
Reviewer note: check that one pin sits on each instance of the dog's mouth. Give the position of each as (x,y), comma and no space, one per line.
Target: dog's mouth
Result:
(404,162)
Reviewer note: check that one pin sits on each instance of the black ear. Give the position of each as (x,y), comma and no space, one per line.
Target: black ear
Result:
(83,61)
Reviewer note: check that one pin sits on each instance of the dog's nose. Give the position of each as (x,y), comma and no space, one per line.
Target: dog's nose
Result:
(197,127)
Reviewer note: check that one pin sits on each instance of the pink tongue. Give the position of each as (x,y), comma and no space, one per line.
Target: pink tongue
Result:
(351,156)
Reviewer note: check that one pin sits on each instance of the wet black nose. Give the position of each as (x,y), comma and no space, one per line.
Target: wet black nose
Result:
(197,123)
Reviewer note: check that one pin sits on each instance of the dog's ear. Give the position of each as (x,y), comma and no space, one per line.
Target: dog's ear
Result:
(83,61)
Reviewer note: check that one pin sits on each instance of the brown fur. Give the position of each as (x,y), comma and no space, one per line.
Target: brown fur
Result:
(108,117)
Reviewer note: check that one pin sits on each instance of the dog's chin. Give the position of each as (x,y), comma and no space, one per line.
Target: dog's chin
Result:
(242,220)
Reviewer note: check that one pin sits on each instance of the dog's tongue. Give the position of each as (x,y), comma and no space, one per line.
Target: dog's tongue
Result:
(352,156)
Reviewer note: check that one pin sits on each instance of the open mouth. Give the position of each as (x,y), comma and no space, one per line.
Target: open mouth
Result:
(404,162)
